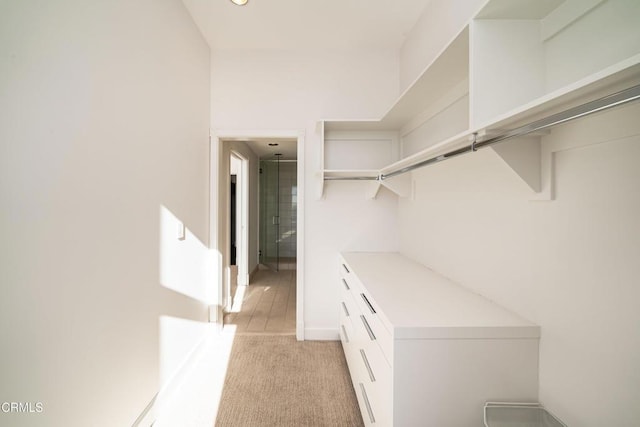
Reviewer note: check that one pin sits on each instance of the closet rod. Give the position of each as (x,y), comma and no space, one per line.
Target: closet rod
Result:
(351,178)
(610,101)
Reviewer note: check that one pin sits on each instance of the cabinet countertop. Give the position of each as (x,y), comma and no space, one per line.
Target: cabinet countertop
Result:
(417,303)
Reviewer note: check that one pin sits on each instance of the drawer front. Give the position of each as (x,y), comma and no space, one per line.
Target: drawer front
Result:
(366,407)
(369,328)
(348,305)
(346,331)
(344,267)
(367,349)
(376,366)
(344,284)
(373,326)
(377,376)
(383,337)
(349,283)
(374,411)
(348,345)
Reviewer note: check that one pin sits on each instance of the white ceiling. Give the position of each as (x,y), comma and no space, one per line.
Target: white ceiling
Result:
(306,24)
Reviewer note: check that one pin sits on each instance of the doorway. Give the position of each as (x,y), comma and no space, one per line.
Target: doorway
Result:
(233,221)
(237,226)
(256,147)
(278,213)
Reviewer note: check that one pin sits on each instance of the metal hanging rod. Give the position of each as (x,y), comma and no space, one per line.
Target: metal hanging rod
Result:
(610,101)
(352,178)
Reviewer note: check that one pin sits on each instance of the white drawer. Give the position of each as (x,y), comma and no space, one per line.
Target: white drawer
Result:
(378,377)
(344,267)
(349,347)
(375,367)
(369,328)
(348,278)
(346,309)
(346,297)
(346,326)
(368,364)
(366,406)
(350,283)
(367,307)
(344,283)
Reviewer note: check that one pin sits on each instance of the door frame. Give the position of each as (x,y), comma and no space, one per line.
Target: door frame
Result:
(242,218)
(219,202)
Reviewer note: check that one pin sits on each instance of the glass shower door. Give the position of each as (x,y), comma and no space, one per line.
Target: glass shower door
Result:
(269,213)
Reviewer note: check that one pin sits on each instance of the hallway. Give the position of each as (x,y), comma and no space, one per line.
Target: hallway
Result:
(266,306)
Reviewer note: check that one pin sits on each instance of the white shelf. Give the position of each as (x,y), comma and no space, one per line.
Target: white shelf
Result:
(444,81)
(529,50)
(515,62)
(448,70)
(614,78)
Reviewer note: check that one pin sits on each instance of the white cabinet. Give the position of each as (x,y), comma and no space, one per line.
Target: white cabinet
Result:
(423,351)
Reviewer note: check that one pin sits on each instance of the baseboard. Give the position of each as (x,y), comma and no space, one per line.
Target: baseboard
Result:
(312,334)
(154,408)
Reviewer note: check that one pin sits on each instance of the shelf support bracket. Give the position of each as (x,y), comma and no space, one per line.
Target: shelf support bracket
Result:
(523,156)
(399,184)
(373,187)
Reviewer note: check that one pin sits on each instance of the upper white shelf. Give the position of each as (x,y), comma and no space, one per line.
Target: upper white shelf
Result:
(515,62)
(614,78)
(449,69)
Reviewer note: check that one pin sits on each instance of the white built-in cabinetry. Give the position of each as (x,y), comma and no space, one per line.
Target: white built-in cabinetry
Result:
(423,351)
(514,62)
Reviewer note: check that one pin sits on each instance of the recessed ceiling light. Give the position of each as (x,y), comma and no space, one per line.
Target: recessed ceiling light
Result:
(239,2)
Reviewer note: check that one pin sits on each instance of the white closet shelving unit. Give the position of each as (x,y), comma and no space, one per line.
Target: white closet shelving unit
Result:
(515,62)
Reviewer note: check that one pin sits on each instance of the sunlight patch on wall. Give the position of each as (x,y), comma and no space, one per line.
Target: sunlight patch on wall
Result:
(187,265)
(196,401)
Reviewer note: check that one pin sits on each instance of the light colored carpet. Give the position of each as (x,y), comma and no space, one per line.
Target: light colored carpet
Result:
(278,381)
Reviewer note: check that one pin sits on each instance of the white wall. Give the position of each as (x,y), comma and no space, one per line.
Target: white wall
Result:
(567,264)
(439,23)
(104,129)
(268,89)
(281,90)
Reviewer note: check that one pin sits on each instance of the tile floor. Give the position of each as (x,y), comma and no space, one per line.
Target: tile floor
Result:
(267,305)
